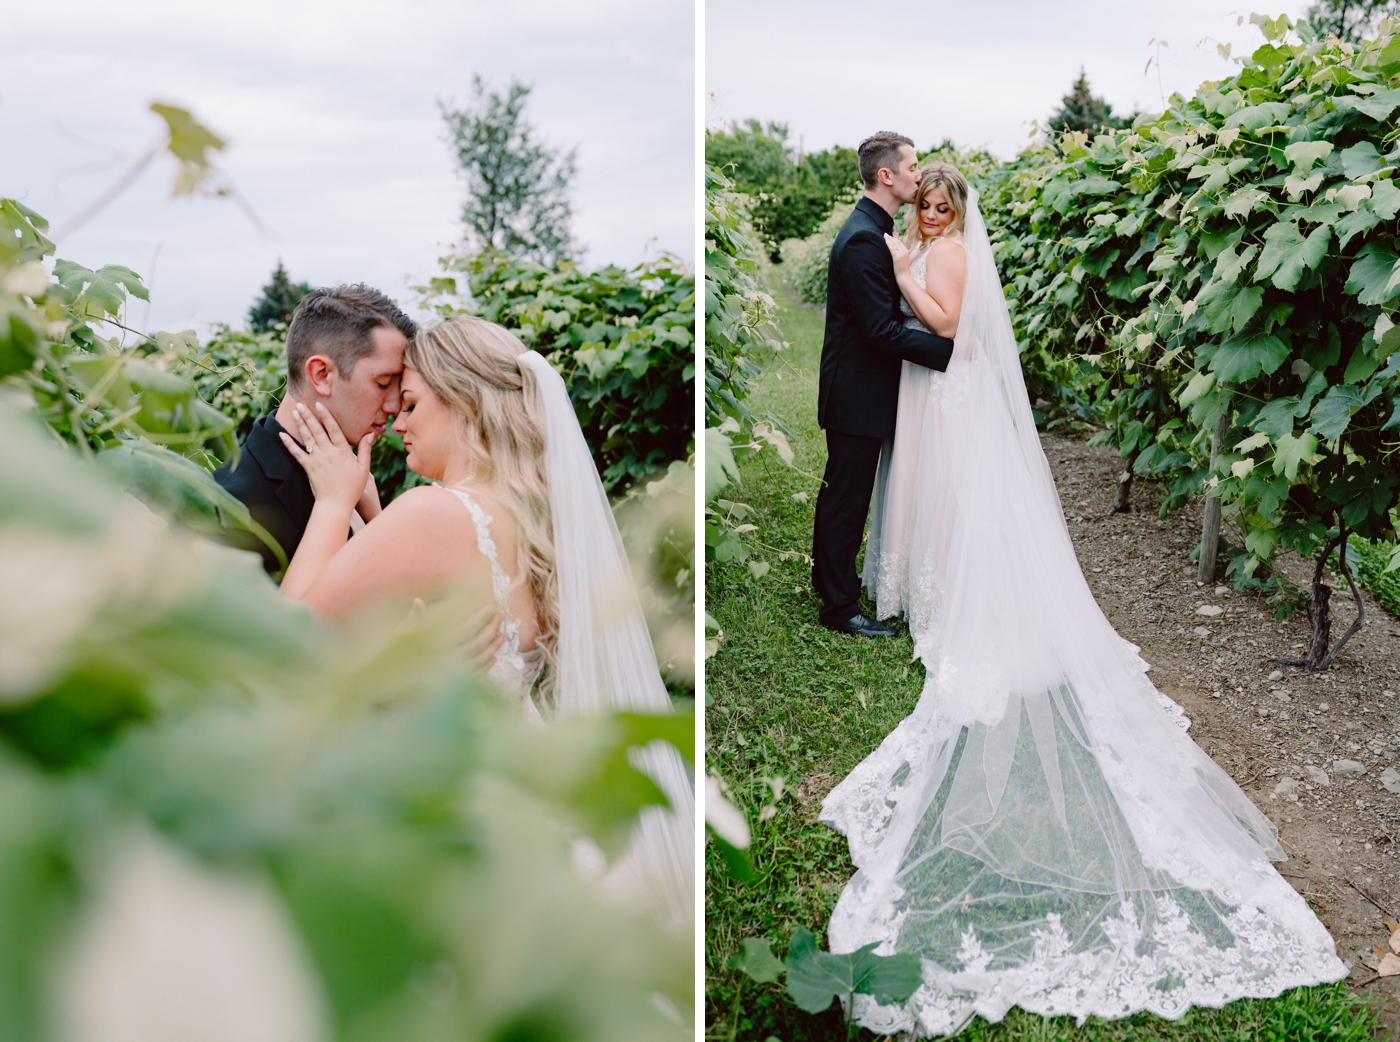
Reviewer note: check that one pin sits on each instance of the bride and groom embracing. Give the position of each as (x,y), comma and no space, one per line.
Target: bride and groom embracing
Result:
(516,512)
(1040,830)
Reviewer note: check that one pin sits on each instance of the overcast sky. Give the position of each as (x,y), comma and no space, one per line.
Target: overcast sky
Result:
(976,71)
(335,139)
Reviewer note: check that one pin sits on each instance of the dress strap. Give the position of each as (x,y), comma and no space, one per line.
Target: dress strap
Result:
(500,581)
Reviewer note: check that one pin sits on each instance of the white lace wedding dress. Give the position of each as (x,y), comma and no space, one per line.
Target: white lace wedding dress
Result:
(1040,830)
(513,670)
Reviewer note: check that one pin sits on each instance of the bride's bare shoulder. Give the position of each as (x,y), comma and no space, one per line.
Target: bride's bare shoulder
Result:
(427,510)
(433,512)
(947,256)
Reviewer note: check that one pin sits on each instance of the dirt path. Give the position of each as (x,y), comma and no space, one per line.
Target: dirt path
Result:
(1296,726)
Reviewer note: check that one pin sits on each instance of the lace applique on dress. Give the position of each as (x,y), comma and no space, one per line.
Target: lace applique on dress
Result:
(513,669)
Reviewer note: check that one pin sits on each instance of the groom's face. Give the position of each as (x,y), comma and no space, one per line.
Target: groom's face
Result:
(905,184)
(365,398)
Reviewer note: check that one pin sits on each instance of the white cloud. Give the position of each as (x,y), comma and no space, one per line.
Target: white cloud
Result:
(976,72)
(335,140)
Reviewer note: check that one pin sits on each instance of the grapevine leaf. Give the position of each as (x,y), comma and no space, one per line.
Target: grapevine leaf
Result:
(1360,159)
(22,231)
(815,977)
(1394,422)
(1243,202)
(1304,154)
(1256,116)
(1296,186)
(1332,414)
(1281,237)
(756,959)
(644,728)
(1200,386)
(106,287)
(1276,418)
(183,490)
(1371,274)
(1261,542)
(1227,307)
(1360,367)
(190,144)
(1352,196)
(1301,258)
(1229,265)
(1267,56)
(1377,106)
(1360,220)
(1245,356)
(1291,450)
(1385,197)
(720,468)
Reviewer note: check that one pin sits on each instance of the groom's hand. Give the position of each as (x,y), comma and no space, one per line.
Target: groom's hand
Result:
(483,636)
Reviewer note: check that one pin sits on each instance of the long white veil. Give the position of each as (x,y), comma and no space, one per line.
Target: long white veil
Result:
(1040,830)
(605,657)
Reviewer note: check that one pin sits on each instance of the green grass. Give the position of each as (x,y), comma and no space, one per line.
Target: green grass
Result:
(1369,561)
(792,700)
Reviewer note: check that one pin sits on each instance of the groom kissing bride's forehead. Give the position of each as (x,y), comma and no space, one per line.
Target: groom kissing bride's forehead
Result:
(865,345)
(345,349)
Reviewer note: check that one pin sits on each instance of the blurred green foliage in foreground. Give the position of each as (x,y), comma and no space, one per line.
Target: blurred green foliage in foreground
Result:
(218,817)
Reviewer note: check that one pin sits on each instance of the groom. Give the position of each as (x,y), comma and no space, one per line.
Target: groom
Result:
(345,350)
(859,386)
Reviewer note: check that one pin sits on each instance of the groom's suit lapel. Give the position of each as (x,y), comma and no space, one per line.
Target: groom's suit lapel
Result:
(289,482)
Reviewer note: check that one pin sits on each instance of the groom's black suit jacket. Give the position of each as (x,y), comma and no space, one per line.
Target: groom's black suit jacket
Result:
(865,335)
(274,488)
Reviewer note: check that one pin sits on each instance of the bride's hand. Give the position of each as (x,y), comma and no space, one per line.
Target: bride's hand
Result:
(899,253)
(338,474)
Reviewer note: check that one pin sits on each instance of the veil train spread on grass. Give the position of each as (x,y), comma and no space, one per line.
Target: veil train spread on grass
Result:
(1040,830)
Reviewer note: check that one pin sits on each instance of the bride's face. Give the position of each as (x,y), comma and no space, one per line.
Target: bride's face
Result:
(934,214)
(428,427)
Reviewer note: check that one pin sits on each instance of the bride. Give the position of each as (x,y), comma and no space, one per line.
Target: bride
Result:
(517,506)
(1040,830)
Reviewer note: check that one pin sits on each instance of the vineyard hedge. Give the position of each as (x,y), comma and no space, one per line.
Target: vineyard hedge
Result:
(1234,261)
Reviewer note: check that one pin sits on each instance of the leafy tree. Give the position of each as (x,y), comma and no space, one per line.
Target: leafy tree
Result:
(1081,110)
(753,156)
(791,197)
(279,299)
(1350,20)
(517,186)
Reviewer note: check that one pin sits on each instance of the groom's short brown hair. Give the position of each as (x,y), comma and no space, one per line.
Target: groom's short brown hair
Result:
(880,149)
(337,323)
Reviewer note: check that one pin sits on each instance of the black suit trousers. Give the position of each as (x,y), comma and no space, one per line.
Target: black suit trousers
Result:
(842,507)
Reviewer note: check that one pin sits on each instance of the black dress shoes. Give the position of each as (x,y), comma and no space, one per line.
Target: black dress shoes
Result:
(862,626)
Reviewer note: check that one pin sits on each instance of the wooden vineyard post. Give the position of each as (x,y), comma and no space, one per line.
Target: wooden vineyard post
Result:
(1210,526)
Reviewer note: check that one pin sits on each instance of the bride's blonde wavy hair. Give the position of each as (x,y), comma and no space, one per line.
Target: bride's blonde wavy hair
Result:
(955,190)
(474,366)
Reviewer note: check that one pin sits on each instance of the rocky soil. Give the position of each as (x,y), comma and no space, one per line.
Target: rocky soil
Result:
(1311,750)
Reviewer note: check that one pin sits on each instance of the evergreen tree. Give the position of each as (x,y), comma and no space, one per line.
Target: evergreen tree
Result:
(1081,110)
(279,299)
(1350,20)
(517,186)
